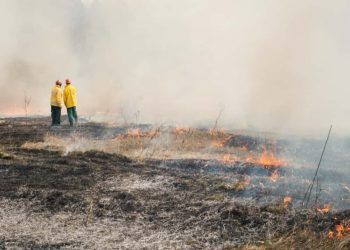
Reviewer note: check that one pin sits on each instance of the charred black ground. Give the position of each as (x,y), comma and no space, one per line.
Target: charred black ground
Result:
(150,204)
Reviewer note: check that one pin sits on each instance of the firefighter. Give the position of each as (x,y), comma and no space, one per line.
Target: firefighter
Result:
(70,100)
(56,104)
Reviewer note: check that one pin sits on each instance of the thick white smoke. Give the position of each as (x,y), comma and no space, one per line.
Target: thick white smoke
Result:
(271,65)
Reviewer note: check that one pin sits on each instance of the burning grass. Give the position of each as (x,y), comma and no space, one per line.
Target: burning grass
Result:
(301,239)
(164,143)
(179,188)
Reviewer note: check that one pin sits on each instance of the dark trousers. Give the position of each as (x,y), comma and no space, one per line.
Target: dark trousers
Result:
(72,115)
(56,115)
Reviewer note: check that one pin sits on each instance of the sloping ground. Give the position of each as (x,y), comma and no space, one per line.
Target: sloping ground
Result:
(96,200)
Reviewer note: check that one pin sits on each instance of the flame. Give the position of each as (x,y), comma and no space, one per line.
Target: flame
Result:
(340,231)
(275,175)
(326,209)
(267,158)
(217,144)
(180,130)
(152,133)
(135,132)
(250,159)
(286,201)
(226,158)
(330,234)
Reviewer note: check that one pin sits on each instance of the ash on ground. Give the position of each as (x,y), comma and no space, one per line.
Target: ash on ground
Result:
(140,187)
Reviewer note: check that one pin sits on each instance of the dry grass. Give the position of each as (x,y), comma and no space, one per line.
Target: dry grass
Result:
(5,155)
(65,228)
(236,186)
(172,209)
(164,144)
(302,239)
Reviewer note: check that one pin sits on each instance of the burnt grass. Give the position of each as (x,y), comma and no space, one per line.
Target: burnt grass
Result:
(187,201)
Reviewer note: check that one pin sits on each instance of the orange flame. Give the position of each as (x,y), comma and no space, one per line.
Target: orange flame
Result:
(340,231)
(179,130)
(217,144)
(250,159)
(330,234)
(267,158)
(135,132)
(152,133)
(226,158)
(286,201)
(326,209)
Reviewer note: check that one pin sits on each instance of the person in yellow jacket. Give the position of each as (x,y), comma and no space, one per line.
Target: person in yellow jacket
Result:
(70,100)
(56,104)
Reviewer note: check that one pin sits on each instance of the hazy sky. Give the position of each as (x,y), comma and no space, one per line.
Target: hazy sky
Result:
(273,65)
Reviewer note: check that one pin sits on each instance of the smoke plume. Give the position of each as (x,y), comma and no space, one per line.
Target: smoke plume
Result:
(269,65)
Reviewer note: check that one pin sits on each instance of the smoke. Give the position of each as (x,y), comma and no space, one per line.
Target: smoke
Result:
(269,65)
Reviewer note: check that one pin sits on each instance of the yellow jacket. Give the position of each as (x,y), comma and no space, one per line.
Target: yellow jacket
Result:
(70,96)
(56,96)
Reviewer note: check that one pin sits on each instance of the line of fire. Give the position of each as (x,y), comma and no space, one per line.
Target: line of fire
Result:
(174,124)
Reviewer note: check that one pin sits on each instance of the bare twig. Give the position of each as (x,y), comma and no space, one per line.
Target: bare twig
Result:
(308,192)
(27,101)
(318,191)
(137,116)
(217,119)
(125,118)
